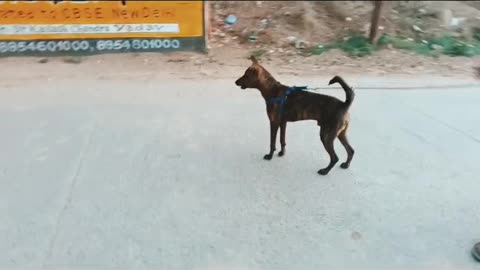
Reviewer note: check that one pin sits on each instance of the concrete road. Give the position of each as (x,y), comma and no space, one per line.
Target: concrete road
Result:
(152,174)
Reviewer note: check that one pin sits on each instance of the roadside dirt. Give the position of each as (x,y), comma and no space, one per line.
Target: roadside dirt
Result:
(274,22)
(230,63)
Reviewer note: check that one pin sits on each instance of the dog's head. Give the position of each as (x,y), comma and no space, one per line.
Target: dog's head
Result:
(252,76)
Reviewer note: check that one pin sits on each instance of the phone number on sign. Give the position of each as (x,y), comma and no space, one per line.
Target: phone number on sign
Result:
(88,46)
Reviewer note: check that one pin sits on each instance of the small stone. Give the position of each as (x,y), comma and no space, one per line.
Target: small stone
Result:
(73,60)
(291,40)
(456,22)
(206,72)
(300,44)
(356,235)
(43,61)
(176,60)
(264,23)
(417,28)
(348,19)
(477,71)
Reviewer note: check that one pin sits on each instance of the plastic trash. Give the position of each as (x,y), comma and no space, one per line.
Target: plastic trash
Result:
(231,19)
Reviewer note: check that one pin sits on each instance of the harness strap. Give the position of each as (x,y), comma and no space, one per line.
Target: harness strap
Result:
(281,100)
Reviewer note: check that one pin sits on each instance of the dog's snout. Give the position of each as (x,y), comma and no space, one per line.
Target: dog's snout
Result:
(236,82)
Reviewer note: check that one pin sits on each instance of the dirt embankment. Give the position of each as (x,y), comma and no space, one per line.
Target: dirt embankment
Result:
(275,30)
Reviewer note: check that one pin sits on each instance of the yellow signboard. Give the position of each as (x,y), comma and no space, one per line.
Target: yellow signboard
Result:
(74,19)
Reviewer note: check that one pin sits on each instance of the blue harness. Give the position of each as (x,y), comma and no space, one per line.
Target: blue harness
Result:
(281,100)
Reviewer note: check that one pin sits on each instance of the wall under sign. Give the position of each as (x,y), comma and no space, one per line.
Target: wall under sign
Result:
(88,27)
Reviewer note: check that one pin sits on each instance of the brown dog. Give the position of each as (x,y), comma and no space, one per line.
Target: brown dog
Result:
(287,104)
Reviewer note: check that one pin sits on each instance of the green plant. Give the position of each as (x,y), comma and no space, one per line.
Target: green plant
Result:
(453,47)
(356,45)
(476,36)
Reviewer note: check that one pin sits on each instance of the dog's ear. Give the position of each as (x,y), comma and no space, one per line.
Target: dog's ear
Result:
(254,60)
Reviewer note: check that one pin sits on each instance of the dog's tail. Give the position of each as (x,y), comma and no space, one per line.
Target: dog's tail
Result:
(348,90)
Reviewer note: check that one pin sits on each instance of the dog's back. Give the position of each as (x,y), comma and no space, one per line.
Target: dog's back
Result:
(312,106)
(326,110)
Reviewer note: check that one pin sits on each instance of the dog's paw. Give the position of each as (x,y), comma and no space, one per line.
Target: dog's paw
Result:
(323,171)
(268,156)
(345,165)
(281,153)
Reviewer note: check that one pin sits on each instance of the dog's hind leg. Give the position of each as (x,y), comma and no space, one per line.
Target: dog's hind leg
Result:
(283,131)
(273,140)
(350,151)
(328,137)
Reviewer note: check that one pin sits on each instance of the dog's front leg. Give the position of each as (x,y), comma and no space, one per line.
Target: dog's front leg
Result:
(283,130)
(273,138)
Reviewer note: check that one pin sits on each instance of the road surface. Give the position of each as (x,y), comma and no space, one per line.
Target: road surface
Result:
(168,174)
